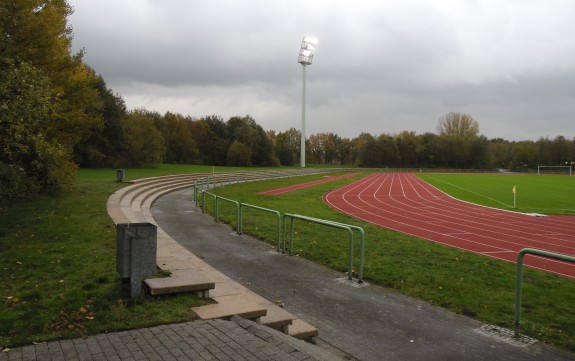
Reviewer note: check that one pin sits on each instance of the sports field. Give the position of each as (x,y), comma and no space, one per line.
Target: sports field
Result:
(404,203)
(547,194)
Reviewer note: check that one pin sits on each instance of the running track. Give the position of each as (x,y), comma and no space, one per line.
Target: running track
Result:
(404,203)
(292,188)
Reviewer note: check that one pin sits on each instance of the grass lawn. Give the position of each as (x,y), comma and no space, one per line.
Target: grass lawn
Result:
(57,265)
(58,278)
(547,194)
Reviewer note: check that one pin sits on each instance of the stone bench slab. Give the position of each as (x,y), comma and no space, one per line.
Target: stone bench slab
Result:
(181,282)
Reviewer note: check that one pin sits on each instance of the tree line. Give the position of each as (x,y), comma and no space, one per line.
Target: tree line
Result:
(57,114)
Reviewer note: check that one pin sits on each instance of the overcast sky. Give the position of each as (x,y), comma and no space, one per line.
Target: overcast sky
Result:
(380,66)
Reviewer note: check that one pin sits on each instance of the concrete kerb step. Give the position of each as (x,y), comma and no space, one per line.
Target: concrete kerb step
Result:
(180,283)
(189,273)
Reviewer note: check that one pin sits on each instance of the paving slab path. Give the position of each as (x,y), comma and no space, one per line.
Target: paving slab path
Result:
(368,322)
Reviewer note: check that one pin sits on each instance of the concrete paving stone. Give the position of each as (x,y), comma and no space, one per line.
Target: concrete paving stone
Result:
(207,355)
(176,351)
(266,336)
(15,355)
(269,351)
(132,346)
(124,353)
(183,358)
(245,353)
(139,355)
(99,357)
(41,349)
(28,353)
(191,354)
(213,339)
(149,351)
(168,357)
(94,346)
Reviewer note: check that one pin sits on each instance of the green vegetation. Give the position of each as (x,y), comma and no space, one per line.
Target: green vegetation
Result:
(547,194)
(58,279)
(57,266)
(462,282)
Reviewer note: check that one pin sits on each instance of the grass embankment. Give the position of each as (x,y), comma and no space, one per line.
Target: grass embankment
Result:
(57,265)
(58,279)
(465,283)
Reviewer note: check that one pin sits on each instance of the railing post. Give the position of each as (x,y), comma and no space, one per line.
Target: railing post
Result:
(203,201)
(519,276)
(518,292)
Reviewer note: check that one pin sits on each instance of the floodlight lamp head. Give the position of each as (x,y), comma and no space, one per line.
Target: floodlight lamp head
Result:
(307,50)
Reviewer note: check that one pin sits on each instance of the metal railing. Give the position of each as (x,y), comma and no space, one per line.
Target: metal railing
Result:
(277,213)
(217,212)
(519,283)
(204,200)
(349,228)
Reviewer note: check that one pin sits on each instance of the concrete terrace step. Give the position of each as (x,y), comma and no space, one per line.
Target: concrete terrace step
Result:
(182,282)
(302,330)
(133,204)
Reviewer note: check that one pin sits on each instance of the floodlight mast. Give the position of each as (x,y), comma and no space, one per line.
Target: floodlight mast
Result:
(305,58)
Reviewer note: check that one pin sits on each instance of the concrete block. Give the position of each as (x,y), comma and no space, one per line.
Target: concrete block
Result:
(136,253)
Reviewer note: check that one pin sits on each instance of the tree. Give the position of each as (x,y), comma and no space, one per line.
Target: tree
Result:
(30,160)
(143,144)
(343,149)
(458,125)
(314,148)
(457,133)
(104,144)
(214,147)
(287,146)
(380,152)
(561,151)
(239,155)
(38,33)
(409,146)
(525,155)
(499,153)
(246,131)
(181,148)
(46,88)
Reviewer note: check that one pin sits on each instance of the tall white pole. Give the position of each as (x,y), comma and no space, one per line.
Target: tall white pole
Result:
(302,146)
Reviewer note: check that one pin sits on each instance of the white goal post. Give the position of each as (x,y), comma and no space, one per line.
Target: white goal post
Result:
(554,169)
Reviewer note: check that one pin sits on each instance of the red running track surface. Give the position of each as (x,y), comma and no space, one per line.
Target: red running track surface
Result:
(295,187)
(404,203)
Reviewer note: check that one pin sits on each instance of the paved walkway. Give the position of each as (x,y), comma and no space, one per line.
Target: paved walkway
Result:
(237,339)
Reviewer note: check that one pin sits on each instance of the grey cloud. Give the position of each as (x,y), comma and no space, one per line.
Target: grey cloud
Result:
(381,66)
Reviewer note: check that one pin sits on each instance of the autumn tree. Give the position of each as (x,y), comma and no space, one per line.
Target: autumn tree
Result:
(409,146)
(214,147)
(287,146)
(143,144)
(58,94)
(499,153)
(379,152)
(246,131)
(30,160)
(239,155)
(458,132)
(343,149)
(103,146)
(181,148)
